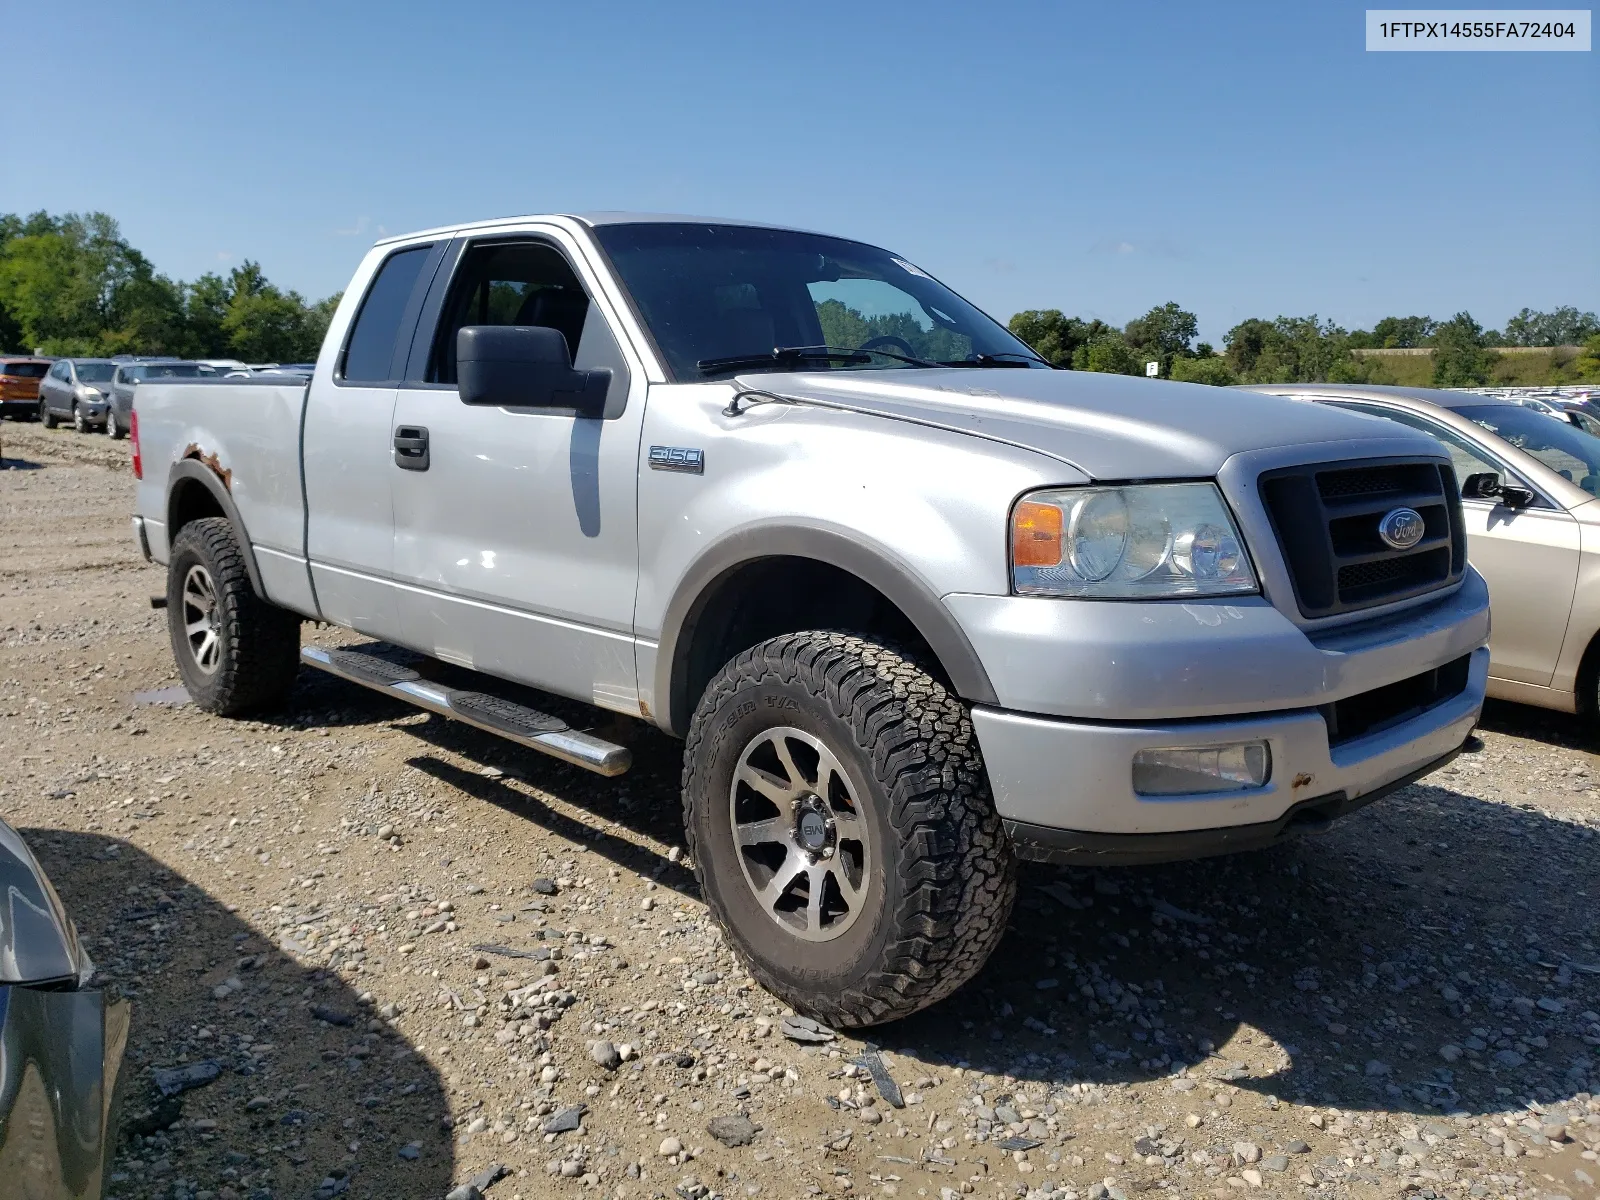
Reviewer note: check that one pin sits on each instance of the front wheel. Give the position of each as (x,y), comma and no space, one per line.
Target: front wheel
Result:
(113,430)
(236,652)
(842,829)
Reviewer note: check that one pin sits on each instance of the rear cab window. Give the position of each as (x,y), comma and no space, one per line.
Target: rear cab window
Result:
(378,330)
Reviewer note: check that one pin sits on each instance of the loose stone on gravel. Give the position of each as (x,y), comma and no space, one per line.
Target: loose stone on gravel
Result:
(804,1029)
(170,1081)
(735,1130)
(566,1120)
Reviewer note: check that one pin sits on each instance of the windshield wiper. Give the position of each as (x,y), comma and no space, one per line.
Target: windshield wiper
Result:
(784,355)
(780,355)
(997,359)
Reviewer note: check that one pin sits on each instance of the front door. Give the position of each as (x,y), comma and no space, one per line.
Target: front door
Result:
(348,454)
(516,544)
(1529,557)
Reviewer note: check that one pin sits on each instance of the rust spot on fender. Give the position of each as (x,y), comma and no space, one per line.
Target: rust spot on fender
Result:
(193,450)
(644,710)
(1304,779)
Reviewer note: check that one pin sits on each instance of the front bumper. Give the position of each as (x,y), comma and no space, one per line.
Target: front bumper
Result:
(1065,788)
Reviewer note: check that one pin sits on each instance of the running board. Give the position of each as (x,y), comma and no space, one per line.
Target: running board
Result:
(493,714)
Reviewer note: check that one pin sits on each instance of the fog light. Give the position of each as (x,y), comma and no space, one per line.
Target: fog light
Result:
(1182,771)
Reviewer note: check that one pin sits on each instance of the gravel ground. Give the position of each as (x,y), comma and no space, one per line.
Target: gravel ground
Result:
(416,955)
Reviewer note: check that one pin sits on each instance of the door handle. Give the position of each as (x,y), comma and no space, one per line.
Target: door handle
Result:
(411,448)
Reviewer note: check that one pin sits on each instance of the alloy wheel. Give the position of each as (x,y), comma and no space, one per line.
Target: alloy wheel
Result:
(802,833)
(202,619)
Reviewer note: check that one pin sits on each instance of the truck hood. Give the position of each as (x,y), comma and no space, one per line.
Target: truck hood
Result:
(1108,426)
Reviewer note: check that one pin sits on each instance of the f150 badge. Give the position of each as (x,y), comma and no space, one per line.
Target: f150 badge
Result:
(678,458)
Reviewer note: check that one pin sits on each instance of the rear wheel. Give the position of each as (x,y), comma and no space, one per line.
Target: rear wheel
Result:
(48,417)
(839,817)
(235,651)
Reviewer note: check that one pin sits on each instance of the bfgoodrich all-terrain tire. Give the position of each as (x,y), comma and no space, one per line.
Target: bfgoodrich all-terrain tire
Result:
(841,825)
(236,652)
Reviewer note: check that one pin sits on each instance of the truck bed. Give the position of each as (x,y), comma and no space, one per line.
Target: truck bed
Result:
(246,434)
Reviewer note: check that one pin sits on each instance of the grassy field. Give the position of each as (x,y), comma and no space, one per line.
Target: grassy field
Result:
(1519,367)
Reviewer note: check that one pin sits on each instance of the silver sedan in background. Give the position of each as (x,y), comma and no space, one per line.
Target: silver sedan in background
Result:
(1529,483)
(128,376)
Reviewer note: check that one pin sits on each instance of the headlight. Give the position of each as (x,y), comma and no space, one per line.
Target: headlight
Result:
(1146,540)
(90,393)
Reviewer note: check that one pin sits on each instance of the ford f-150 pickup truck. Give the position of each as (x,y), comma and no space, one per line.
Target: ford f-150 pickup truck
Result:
(918,604)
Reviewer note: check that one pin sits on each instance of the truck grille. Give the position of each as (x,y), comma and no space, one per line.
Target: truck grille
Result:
(1374,711)
(1327,517)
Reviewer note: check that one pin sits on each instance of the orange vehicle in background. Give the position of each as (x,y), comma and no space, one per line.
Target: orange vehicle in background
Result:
(19,384)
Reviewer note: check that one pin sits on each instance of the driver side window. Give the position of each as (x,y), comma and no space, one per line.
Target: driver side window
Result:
(510,283)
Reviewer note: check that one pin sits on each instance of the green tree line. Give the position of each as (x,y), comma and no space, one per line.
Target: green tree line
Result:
(72,285)
(1307,349)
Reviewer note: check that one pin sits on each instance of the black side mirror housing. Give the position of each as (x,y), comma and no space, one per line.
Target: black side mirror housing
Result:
(525,366)
(1486,485)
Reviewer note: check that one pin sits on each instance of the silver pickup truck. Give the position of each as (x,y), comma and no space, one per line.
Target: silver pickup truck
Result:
(918,604)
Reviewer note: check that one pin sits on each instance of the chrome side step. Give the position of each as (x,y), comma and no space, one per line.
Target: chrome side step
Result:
(493,714)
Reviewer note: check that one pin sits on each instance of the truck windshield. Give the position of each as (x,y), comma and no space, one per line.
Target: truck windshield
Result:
(1562,447)
(724,299)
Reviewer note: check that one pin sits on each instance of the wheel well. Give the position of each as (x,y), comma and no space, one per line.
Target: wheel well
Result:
(190,501)
(770,596)
(1588,680)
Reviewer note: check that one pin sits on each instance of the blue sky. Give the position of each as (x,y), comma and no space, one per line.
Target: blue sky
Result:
(1243,159)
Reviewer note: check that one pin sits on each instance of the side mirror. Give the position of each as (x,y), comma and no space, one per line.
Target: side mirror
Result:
(1486,485)
(524,366)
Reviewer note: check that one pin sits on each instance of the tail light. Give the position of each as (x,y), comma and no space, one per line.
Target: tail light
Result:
(133,435)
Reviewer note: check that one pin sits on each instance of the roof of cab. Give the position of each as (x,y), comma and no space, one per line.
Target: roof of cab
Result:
(1378,391)
(592,219)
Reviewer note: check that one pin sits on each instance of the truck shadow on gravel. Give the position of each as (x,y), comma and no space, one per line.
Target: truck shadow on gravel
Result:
(1567,730)
(307,1069)
(645,800)
(1330,971)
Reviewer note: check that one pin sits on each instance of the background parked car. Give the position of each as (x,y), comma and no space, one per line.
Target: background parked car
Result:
(19,385)
(75,389)
(127,377)
(1533,529)
(1582,415)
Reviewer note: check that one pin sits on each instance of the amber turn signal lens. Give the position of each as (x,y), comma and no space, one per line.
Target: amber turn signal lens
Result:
(1036,535)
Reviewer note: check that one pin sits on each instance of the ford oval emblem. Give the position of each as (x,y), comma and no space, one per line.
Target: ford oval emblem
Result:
(1402,528)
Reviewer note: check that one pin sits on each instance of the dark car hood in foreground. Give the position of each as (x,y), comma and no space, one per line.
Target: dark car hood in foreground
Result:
(61,1043)
(1108,426)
